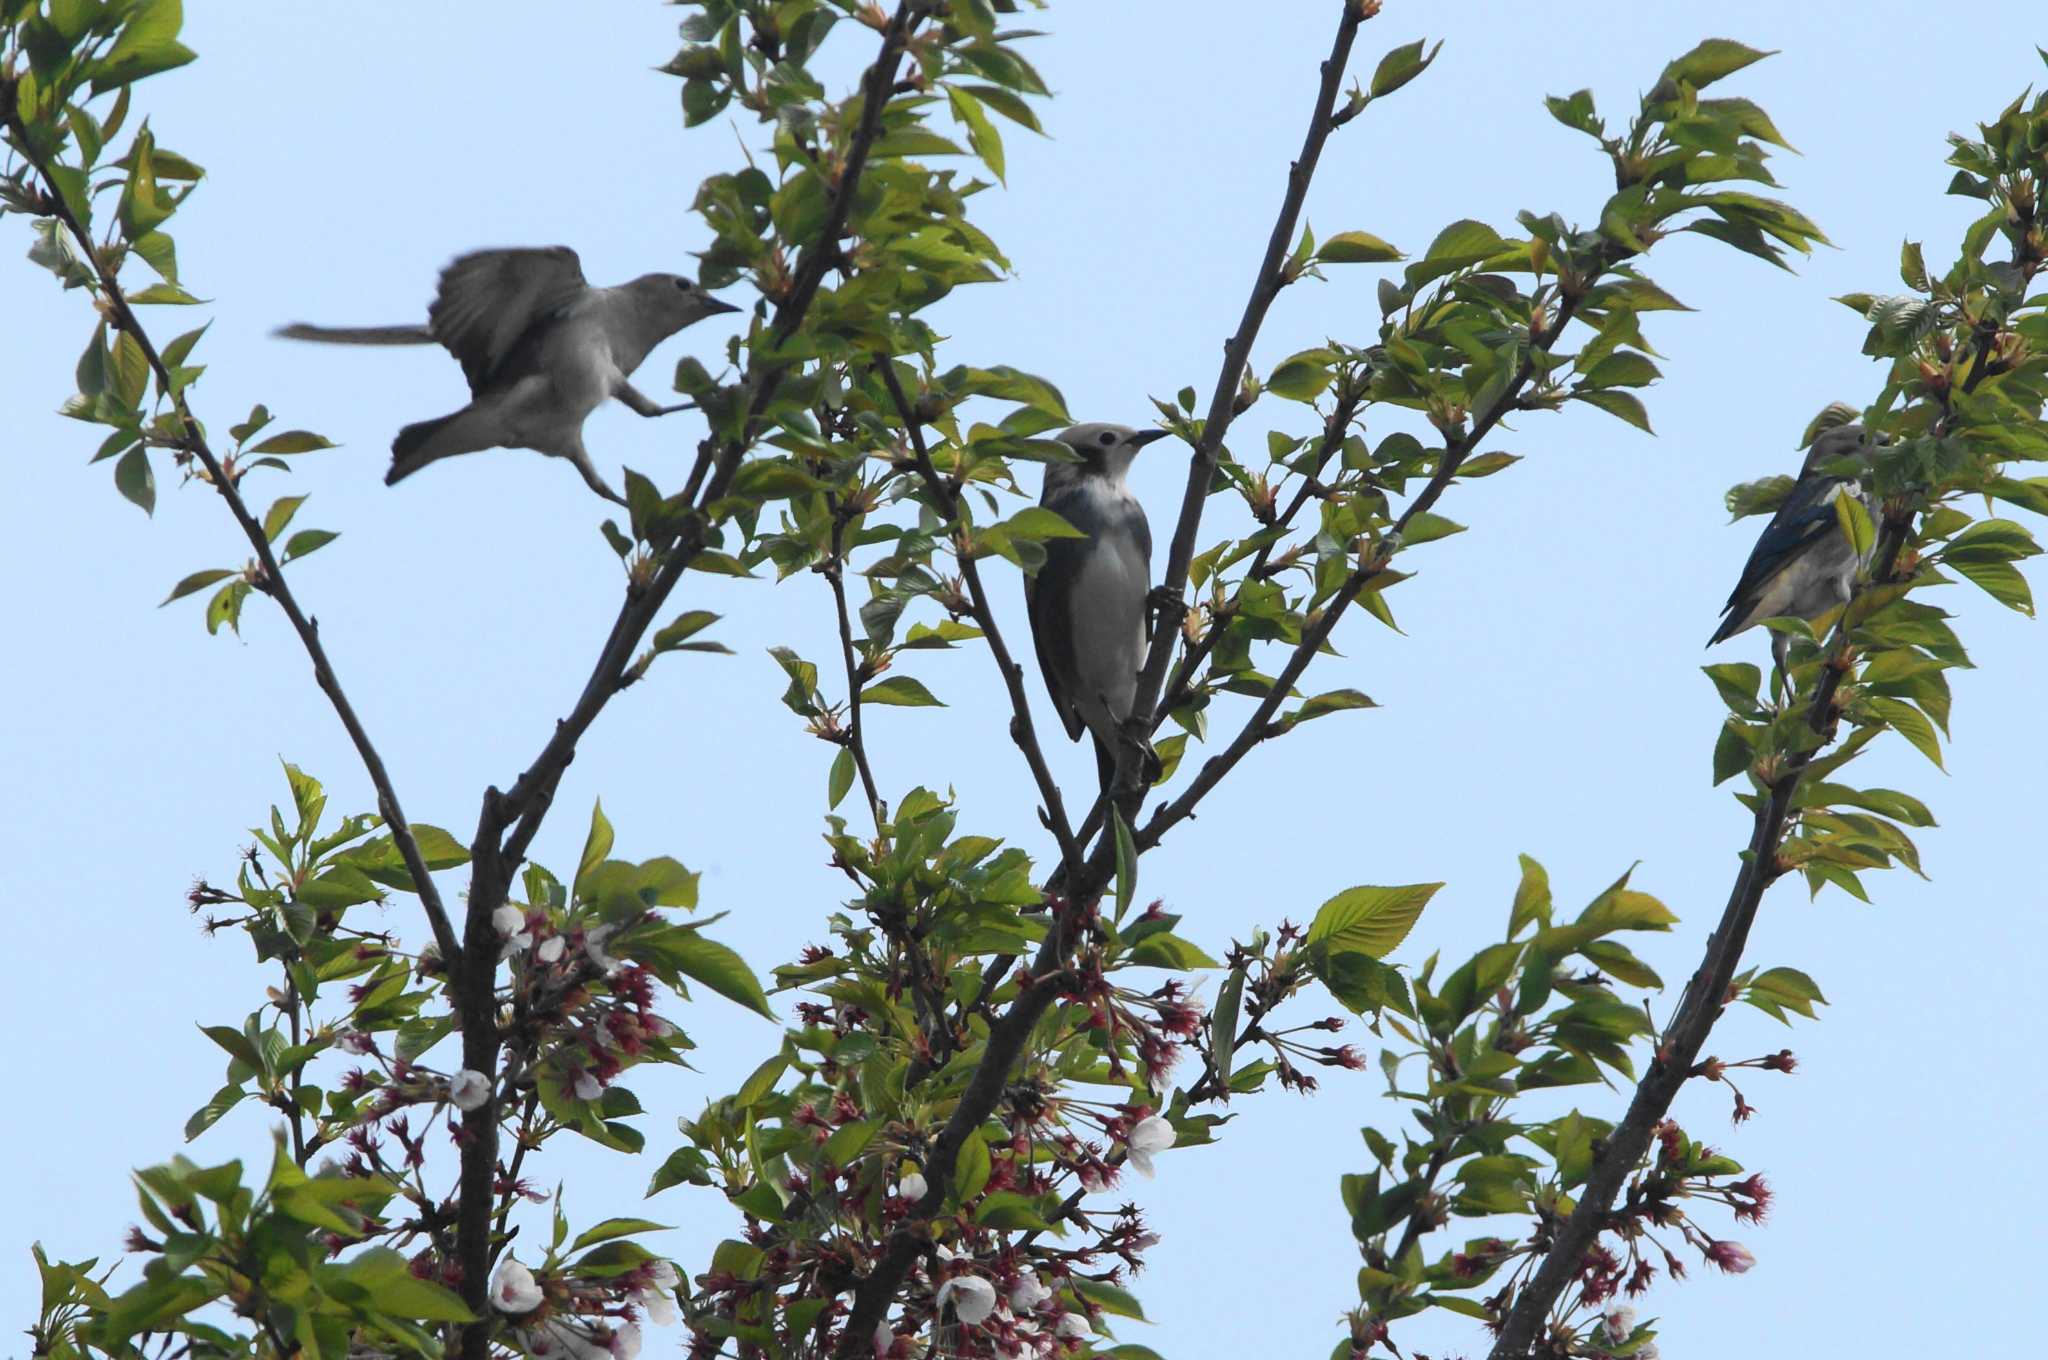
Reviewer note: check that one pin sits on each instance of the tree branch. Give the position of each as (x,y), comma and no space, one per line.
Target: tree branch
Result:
(1706,994)
(1257,727)
(495,851)
(1237,354)
(1021,729)
(272,582)
(1335,427)
(834,571)
(1083,887)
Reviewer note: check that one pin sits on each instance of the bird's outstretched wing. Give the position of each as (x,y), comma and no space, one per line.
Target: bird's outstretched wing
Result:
(1049,600)
(1807,516)
(489,299)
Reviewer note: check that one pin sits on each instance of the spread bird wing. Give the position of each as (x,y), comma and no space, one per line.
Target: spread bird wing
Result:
(489,299)
(1049,599)
(1806,517)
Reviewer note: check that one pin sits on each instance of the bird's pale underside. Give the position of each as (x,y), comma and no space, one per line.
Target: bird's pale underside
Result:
(541,350)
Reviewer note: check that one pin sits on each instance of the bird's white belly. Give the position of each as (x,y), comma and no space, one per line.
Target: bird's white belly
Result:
(1109,632)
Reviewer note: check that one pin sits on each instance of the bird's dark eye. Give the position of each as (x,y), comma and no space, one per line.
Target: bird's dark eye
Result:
(1105,439)
(683,284)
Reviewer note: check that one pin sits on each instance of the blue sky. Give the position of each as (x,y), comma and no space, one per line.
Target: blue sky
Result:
(1544,696)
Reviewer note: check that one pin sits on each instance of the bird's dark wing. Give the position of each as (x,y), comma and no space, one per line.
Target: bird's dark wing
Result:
(1806,517)
(489,299)
(1049,599)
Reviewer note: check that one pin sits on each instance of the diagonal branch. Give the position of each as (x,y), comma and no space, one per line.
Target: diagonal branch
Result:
(509,821)
(834,571)
(1237,353)
(1335,427)
(1705,997)
(271,578)
(1021,729)
(1259,725)
(1082,887)
(1706,994)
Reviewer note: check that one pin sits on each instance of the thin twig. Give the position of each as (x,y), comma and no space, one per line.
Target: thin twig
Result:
(834,571)
(496,851)
(1009,1035)
(1237,354)
(1706,994)
(1021,729)
(271,576)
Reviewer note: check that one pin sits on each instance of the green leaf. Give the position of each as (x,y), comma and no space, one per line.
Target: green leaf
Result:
(1909,723)
(1108,1298)
(597,846)
(1126,862)
(971,1167)
(1532,898)
(1705,64)
(981,133)
(1400,66)
(1357,247)
(280,514)
(615,1227)
(1427,527)
(134,479)
(901,690)
(198,580)
(293,441)
(1369,920)
(717,967)
(841,778)
(1855,523)
(307,541)
(1223,1021)
(1617,403)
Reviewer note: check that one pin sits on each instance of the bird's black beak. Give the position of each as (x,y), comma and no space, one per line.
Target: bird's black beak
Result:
(721,305)
(1144,437)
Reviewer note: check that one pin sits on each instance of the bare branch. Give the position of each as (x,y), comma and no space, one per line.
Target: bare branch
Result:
(1237,353)
(1706,993)
(1083,886)
(271,582)
(1021,729)
(834,571)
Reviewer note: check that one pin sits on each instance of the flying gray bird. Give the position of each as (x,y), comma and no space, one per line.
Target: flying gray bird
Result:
(1802,566)
(541,348)
(1087,603)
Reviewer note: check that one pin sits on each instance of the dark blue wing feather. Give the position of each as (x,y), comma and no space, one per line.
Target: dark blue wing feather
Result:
(1806,517)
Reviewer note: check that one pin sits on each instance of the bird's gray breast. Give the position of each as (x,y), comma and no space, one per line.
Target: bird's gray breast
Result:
(1106,601)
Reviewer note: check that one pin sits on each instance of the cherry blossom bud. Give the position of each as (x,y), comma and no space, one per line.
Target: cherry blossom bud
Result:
(508,920)
(469,1090)
(513,1289)
(1619,1324)
(586,1087)
(1072,1325)
(1732,1257)
(550,950)
(1028,1293)
(1151,1134)
(972,1297)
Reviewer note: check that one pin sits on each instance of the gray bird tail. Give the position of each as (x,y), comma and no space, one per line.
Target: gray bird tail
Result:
(428,441)
(357,335)
(1105,764)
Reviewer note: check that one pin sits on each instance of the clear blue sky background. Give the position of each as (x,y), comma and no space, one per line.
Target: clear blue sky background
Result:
(1544,698)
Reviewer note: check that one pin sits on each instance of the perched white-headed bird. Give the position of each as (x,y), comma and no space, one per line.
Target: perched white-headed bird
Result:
(1087,603)
(541,348)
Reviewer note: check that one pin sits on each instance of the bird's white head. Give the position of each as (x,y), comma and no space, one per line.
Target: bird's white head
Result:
(672,301)
(1106,450)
